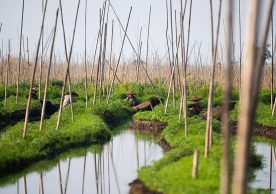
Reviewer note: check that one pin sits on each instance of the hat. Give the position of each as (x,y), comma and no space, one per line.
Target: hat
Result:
(73,93)
(195,98)
(130,93)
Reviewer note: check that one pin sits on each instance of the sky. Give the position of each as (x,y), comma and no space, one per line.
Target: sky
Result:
(10,16)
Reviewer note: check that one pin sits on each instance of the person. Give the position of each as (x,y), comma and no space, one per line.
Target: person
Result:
(132,99)
(195,106)
(67,98)
(33,93)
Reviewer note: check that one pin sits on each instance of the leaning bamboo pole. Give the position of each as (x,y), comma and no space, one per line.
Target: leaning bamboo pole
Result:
(226,157)
(68,60)
(41,58)
(208,136)
(121,51)
(20,53)
(33,76)
(131,44)
(99,59)
(48,74)
(251,83)
(184,101)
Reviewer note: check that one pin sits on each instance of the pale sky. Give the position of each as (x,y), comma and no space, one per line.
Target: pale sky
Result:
(10,16)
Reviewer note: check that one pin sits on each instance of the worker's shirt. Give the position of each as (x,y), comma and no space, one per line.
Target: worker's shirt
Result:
(67,100)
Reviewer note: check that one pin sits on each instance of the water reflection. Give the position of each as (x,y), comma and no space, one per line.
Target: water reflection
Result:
(265,177)
(105,172)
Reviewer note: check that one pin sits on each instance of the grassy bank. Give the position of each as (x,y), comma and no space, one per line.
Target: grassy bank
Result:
(88,127)
(173,173)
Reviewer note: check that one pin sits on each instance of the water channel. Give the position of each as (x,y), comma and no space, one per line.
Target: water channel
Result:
(262,175)
(108,169)
(104,170)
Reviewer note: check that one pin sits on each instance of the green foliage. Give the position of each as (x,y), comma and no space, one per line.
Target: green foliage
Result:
(11,106)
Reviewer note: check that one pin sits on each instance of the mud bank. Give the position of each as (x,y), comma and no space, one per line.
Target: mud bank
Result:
(152,128)
(138,187)
(259,130)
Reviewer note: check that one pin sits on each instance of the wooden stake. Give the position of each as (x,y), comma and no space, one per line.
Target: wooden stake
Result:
(195,164)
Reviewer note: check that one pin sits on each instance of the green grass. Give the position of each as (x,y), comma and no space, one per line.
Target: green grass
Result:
(88,128)
(173,173)
(11,106)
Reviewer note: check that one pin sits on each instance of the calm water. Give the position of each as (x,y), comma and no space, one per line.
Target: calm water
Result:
(106,172)
(263,175)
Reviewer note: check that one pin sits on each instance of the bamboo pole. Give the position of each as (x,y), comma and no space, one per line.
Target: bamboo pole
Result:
(253,64)
(33,76)
(139,53)
(48,75)
(41,58)
(195,164)
(173,54)
(68,60)
(272,60)
(99,60)
(183,107)
(186,130)
(208,137)
(20,53)
(85,56)
(240,43)
(7,74)
(110,56)
(226,154)
(147,53)
(103,64)
(95,53)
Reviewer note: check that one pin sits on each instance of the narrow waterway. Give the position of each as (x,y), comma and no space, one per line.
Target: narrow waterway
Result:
(262,176)
(108,170)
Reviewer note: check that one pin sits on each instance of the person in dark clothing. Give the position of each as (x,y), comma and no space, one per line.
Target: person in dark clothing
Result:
(195,106)
(33,94)
(132,99)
